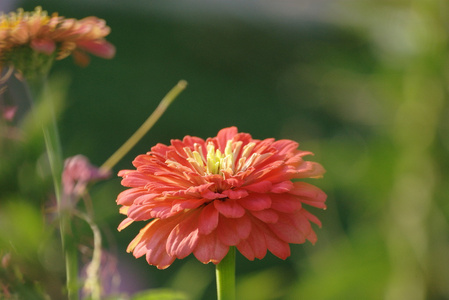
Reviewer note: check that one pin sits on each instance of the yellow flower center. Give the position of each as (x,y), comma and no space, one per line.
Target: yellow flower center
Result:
(217,162)
(13,20)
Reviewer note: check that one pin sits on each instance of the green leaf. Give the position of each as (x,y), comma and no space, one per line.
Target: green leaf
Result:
(160,294)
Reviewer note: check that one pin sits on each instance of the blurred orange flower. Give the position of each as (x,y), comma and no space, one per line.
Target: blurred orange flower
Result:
(51,35)
(230,190)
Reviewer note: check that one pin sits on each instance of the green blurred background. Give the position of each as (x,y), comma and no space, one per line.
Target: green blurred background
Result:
(362,84)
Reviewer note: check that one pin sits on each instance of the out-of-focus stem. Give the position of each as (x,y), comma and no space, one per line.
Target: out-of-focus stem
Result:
(145,127)
(68,245)
(92,283)
(54,153)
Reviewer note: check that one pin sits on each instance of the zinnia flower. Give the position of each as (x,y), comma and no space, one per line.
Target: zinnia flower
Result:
(49,37)
(203,197)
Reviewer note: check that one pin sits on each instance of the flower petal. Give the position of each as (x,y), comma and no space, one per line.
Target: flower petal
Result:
(125,223)
(229,208)
(282,187)
(224,135)
(260,187)
(151,241)
(309,194)
(267,215)
(127,196)
(235,194)
(286,229)
(46,46)
(255,245)
(208,219)
(309,169)
(184,237)
(276,246)
(100,48)
(256,202)
(189,203)
(210,249)
(232,231)
(285,203)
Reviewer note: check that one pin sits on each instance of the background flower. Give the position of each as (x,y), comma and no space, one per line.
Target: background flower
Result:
(49,37)
(231,190)
(78,173)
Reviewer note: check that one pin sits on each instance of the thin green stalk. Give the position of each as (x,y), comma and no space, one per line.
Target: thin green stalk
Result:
(54,153)
(225,273)
(92,285)
(145,127)
(68,244)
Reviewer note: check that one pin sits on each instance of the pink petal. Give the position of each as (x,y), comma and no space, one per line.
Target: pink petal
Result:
(282,187)
(302,223)
(309,194)
(309,169)
(190,141)
(208,219)
(264,146)
(229,208)
(311,217)
(235,194)
(179,148)
(81,58)
(284,147)
(140,212)
(286,230)
(255,245)
(160,149)
(127,197)
(8,112)
(256,202)
(184,237)
(276,246)
(224,135)
(99,48)
(145,198)
(285,203)
(182,204)
(125,223)
(232,231)
(134,179)
(152,240)
(266,216)
(159,258)
(260,187)
(44,46)
(210,249)
(162,211)
(270,172)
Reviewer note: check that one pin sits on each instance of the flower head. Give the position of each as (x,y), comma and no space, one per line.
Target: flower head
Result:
(203,196)
(78,173)
(29,41)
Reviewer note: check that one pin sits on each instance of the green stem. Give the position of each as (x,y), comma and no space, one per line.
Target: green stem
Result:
(225,273)
(54,153)
(145,127)
(92,285)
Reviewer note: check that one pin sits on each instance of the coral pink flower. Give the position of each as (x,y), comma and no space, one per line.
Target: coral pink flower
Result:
(204,196)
